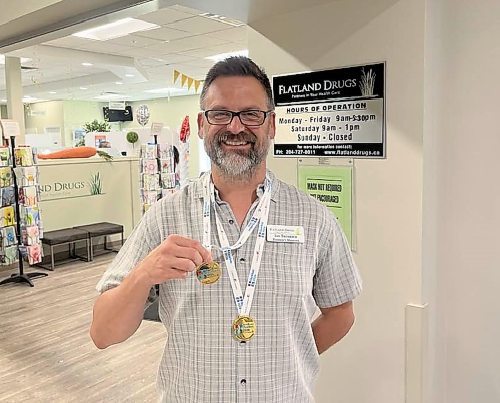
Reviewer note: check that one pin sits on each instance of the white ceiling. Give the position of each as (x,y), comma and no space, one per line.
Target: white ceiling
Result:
(182,42)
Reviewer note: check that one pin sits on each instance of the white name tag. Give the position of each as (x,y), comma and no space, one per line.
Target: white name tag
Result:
(285,233)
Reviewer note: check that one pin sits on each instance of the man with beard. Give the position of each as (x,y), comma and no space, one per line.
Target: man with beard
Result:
(243,260)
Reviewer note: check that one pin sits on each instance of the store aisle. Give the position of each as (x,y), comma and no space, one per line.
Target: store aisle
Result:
(46,353)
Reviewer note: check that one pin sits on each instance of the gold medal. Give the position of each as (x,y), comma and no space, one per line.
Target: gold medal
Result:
(243,328)
(208,273)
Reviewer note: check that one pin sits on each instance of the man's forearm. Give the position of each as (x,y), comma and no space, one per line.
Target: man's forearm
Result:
(332,325)
(118,312)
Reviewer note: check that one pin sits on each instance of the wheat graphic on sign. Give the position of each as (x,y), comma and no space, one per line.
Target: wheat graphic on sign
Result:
(367,84)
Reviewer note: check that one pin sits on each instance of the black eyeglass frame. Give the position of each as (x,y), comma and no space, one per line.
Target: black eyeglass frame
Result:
(233,114)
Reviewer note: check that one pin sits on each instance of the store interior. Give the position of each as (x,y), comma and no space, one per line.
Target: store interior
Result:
(426,243)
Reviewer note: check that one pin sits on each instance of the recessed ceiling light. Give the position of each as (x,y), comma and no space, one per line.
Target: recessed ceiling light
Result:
(222,56)
(87,64)
(167,90)
(52,92)
(83,88)
(29,98)
(4,100)
(129,75)
(118,83)
(116,29)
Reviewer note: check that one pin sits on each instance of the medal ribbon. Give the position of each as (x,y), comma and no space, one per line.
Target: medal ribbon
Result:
(259,217)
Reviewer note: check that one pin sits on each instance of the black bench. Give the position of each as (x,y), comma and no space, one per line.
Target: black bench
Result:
(101,229)
(68,236)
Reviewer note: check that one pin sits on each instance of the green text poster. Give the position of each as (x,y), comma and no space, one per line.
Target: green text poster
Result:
(332,186)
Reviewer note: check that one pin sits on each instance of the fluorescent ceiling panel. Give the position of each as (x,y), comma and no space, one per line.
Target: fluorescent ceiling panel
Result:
(116,29)
(222,56)
(167,91)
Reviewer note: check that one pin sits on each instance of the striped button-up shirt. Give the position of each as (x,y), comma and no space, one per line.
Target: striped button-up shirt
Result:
(202,362)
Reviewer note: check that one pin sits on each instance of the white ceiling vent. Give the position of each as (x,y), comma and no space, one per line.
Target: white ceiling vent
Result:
(229,21)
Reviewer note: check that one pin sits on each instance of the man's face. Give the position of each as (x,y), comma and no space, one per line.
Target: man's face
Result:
(235,149)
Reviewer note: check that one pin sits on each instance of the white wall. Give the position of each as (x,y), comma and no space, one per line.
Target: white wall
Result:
(77,113)
(70,115)
(468,218)
(40,115)
(369,365)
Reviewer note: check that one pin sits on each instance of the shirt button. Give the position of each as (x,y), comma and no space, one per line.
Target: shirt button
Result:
(242,343)
(243,382)
(242,260)
(231,221)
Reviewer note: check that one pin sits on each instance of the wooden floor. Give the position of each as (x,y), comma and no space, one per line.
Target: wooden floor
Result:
(46,354)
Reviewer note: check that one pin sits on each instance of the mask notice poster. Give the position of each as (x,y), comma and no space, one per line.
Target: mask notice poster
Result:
(331,113)
(332,187)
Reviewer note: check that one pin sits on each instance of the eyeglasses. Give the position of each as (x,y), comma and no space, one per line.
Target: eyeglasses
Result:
(251,117)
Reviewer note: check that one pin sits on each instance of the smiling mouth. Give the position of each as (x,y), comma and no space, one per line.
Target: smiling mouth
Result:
(234,143)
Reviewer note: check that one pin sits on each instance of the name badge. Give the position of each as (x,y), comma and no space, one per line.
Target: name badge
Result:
(285,233)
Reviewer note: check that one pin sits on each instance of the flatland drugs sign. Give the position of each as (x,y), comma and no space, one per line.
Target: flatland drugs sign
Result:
(331,113)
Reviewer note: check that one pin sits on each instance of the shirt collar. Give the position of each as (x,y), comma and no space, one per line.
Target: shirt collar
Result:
(199,191)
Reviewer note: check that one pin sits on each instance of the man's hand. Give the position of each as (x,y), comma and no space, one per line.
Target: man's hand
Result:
(174,258)
(118,312)
(332,325)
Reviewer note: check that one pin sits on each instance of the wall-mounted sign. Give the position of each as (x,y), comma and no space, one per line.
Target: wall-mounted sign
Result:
(10,128)
(117,105)
(332,186)
(156,128)
(331,113)
(70,185)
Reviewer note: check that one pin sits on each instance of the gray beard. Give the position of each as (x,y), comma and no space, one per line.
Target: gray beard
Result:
(234,166)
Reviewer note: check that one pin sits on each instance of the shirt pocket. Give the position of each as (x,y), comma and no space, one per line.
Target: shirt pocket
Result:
(289,270)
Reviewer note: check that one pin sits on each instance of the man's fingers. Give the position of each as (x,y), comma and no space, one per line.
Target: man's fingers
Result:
(183,264)
(202,255)
(178,273)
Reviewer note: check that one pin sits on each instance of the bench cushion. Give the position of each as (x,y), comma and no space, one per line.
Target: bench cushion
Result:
(101,228)
(63,236)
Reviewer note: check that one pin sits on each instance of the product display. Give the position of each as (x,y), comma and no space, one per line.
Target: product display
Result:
(20,224)
(157,173)
(8,238)
(30,223)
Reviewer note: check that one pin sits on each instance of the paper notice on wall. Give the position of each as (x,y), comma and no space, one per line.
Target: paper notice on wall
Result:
(9,128)
(156,128)
(331,186)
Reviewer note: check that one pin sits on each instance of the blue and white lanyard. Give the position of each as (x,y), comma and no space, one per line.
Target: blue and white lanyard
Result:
(259,218)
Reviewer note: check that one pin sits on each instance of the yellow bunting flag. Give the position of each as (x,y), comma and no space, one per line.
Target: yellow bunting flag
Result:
(196,85)
(190,82)
(176,75)
(183,79)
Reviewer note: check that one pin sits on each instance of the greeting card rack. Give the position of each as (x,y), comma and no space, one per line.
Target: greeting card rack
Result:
(158,177)
(28,227)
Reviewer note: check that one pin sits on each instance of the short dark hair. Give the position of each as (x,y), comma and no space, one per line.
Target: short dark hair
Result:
(237,66)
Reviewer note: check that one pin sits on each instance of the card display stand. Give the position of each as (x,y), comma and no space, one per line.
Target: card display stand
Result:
(158,177)
(21,226)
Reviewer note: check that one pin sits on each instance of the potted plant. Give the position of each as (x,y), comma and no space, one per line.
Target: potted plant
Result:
(132,138)
(96,126)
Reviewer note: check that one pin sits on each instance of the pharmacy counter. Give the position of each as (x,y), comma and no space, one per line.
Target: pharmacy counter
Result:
(83,191)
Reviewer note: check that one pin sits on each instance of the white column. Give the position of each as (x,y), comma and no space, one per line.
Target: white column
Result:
(15,108)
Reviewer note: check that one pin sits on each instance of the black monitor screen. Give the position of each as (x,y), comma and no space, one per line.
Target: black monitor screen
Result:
(116,115)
